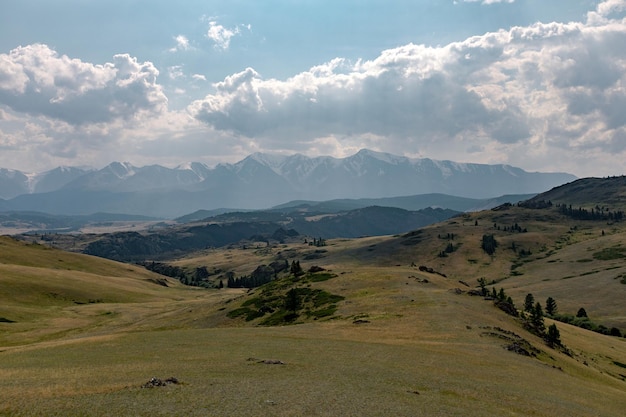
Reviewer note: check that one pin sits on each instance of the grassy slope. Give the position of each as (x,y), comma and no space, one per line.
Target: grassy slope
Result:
(423,350)
(49,294)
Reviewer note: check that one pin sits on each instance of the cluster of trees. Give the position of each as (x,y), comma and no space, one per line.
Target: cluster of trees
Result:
(582,320)
(533,317)
(521,252)
(597,213)
(539,204)
(264,274)
(551,310)
(196,278)
(295,269)
(515,228)
(489,244)
(319,242)
(500,298)
(261,275)
(285,303)
(164,269)
(449,249)
(250,281)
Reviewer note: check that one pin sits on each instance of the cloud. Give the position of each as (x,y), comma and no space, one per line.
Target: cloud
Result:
(36,80)
(404,92)
(606,10)
(42,143)
(546,96)
(182,44)
(542,84)
(221,36)
(174,72)
(608,7)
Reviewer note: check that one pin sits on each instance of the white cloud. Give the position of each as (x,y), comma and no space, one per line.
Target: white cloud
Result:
(606,10)
(35,79)
(182,44)
(175,72)
(220,35)
(40,143)
(546,96)
(608,7)
(554,86)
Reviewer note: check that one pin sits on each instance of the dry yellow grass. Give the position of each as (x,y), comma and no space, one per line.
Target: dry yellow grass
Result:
(421,348)
(388,367)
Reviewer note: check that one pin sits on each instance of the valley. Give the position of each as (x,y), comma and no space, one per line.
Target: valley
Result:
(389,324)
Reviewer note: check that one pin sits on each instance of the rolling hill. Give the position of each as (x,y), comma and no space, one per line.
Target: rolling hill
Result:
(588,193)
(381,325)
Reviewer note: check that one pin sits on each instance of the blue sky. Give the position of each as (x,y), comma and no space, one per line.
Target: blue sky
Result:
(536,84)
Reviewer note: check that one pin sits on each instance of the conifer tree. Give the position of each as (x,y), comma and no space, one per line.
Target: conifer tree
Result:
(483,283)
(529,303)
(536,318)
(296,269)
(292,300)
(554,336)
(551,307)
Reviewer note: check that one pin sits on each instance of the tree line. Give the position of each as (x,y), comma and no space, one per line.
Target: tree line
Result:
(197,277)
(581,319)
(597,213)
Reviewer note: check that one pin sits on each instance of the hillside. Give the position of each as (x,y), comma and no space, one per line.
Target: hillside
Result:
(411,203)
(588,193)
(402,342)
(47,294)
(541,251)
(374,326)
(252,227)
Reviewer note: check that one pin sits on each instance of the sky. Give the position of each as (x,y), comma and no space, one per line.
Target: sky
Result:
(537,84)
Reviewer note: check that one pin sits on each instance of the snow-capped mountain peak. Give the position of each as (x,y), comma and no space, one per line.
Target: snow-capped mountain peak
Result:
(263,180)
(121,170)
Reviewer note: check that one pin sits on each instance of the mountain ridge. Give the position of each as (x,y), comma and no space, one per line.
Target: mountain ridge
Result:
(260,181)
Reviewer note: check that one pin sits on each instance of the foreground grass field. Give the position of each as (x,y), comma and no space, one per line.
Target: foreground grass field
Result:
(328,369)
(82,335)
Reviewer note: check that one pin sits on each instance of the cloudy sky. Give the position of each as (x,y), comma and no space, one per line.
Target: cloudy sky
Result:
(538,84)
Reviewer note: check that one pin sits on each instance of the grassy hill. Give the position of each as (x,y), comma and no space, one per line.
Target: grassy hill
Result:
(388,327)
(47,294)
(589,192)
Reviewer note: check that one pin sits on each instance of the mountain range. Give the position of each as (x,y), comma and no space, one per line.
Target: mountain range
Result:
(258,181)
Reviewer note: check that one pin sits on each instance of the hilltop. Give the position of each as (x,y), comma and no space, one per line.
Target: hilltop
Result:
(589,193)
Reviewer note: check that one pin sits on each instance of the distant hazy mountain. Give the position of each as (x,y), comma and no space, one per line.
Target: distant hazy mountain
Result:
(415,202)
(124,177)
(259,181)
(226,229)
(56,178)
(13,183)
